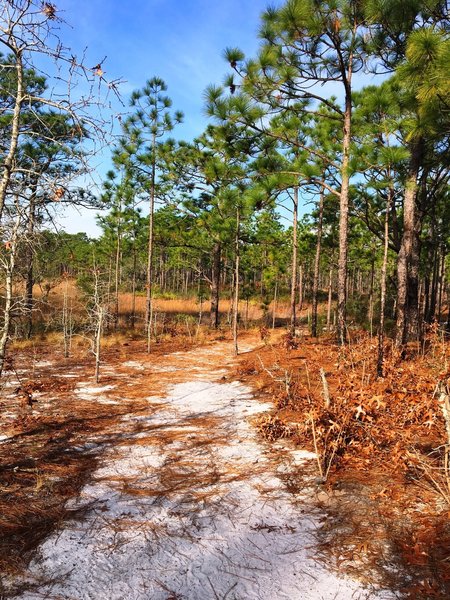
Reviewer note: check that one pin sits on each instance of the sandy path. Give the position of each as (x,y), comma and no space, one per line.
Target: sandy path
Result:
(189,504)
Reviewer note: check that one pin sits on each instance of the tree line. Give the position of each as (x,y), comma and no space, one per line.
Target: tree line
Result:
(292,130)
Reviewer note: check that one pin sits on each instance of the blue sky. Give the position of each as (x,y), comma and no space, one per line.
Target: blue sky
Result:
(180,41)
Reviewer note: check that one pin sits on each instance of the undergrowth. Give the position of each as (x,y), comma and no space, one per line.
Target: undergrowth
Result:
(381,442)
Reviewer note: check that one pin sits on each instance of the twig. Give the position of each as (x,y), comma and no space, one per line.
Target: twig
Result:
(444,403)
(316,449)
(326,391)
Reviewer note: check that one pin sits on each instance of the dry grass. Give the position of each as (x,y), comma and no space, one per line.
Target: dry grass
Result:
(51,300)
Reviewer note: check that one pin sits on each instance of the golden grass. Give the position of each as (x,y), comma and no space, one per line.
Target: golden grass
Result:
(52,338)
(54,299)
(114,339)
(190,306)
(22,344)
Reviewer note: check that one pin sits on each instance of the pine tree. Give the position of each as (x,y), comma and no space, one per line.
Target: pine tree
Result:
(150,122)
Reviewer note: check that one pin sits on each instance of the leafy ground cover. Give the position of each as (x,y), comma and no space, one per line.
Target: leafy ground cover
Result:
(380,446)
(375,481)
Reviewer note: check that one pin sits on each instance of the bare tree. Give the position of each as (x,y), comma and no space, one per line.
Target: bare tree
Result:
(46,114)
(28,34)
(97,314)
(8,257)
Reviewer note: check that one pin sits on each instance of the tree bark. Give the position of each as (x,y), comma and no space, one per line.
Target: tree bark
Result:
(15,131)
(330,298)
(236,284)
(447,326)
(441,284)
(434,286)
(426,309)
(275,303)
(97,341)
(117,269)
(383,281)
(408,258)
(215,285)
(315,289)
(133,286)
(343,219)
(148,309)
(9,264)
(29,284)
(371,301)
(294,261)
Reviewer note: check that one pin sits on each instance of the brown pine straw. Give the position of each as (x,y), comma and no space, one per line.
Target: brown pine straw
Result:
(46,461)
(382,447)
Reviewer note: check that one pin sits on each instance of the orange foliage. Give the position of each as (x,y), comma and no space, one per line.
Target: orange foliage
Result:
(386,433)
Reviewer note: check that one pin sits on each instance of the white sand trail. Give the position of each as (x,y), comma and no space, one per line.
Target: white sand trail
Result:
(191,506)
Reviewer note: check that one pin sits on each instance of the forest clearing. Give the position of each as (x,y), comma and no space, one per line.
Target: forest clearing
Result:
(225,330)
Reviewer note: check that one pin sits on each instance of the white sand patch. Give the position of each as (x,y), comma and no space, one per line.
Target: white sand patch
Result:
(92,392)
(133,364)
(198,514)
(152,368)
(154,399)
(301,456)
(44,363)
(112,372)
(95,389)
(165,369)
(136,418)
(131,460)
(9,384)
(9,415)
(102,400)
(88,447)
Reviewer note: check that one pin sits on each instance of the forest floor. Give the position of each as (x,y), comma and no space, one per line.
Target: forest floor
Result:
(174,478)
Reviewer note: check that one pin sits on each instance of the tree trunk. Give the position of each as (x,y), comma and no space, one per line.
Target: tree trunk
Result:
(148,309)
(426,309)
(67,322)
(447,327)
(294,261)
(301,293)
(15,131)
(330,298)
(9,265)
(275,302)
(29,284)
(407,263)
(215,285)
(133,287)
(315,289)
(441,284)
(343,220)
(117,273)
(383,280)
(371,299)
(236,285)
(97,341)
(434,287)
